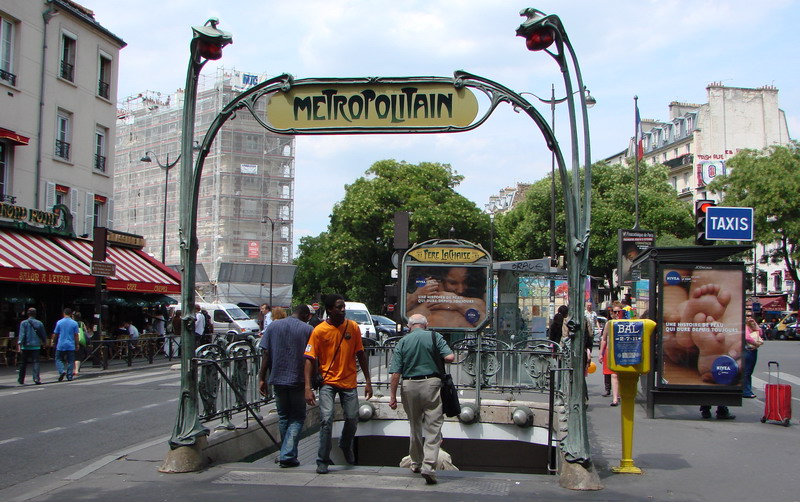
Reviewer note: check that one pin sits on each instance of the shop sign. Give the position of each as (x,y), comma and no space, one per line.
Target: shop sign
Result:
(17,213)
(103,268)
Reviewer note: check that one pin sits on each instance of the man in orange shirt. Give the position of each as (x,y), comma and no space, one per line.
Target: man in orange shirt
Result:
(336,343)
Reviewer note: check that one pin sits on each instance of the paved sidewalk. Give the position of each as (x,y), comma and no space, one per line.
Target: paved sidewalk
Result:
(48,373)
(684,458)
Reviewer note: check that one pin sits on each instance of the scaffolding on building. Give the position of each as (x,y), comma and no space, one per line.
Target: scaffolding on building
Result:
(247,179)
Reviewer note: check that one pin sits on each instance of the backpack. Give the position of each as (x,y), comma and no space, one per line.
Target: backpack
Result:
(208,329)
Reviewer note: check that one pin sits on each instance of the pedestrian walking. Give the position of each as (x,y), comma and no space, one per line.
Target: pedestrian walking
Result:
(336,344)
(32,337)
(414,361)
(283,346)
(65,340)
(82,349)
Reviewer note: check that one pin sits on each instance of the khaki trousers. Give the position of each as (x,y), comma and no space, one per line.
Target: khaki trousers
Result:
(423,406)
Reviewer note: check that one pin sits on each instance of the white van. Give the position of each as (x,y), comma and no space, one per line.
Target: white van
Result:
(358,312)
(229,317)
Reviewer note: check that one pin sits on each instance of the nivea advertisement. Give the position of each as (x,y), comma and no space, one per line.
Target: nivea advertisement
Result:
(702,325)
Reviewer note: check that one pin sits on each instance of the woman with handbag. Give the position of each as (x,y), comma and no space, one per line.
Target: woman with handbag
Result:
(753,340)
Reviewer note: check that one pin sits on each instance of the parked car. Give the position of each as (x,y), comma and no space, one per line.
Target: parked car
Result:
(791,332)
(387,327)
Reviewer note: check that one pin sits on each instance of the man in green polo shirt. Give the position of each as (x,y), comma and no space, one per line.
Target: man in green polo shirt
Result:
(414,362)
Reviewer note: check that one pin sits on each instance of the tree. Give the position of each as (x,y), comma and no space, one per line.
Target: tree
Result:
(353,257)
(524,232)
(769,182)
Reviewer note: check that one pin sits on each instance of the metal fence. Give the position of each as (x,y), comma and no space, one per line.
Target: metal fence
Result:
(227,372)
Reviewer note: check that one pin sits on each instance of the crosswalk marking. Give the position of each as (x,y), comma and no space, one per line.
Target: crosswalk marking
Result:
(140,381)
(759,384)
(785,378)
(103,380)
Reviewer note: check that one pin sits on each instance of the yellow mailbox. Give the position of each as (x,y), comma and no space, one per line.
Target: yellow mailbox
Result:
(629,356)
(629,345)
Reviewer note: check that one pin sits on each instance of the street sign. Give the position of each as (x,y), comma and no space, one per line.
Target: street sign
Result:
(315,305)
(390,307)
(729,223)
(103,268)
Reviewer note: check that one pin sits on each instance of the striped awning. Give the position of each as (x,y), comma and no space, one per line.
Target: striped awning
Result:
(37,259)
(27,257)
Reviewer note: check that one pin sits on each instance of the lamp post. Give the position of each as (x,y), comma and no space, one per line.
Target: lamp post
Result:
(546,33)
(590,102)
(185,453)
(271,249)
(149,157)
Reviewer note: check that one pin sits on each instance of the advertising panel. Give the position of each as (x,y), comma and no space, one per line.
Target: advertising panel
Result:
(448,283)
(702,325)
(631,244)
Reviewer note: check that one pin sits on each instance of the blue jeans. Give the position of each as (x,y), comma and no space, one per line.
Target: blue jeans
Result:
(750,357)
(349,401)
(65,362)
(291,405)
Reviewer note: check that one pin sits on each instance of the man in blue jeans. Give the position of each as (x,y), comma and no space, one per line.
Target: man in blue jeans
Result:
(283,344)
(336,343)
(65,339)
(32,337)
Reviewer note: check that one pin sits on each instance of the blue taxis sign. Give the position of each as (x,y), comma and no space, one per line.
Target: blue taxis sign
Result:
(729,223)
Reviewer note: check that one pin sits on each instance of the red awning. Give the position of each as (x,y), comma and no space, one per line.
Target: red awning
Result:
(770,303)
(136,271)
(19,139)
(37,259)
(33,258)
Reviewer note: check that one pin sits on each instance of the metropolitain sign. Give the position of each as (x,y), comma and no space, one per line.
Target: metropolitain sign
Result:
(389,105)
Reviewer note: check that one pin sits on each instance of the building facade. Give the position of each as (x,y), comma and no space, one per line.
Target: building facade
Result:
(58,74)
(246,202)
(698,139)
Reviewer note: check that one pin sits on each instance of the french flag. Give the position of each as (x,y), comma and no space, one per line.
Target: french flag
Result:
(639,136)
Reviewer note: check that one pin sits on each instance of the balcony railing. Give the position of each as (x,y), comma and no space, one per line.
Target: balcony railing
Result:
(62,149)
(100,163)
(8,77)
(67,71)
(103,89)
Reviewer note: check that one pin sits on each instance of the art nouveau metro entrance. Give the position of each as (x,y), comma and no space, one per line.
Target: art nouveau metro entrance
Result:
(402,105)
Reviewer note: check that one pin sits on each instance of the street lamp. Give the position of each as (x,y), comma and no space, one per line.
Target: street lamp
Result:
(590,102)
(185,450)
(148,157)
(271,249)
(546,33)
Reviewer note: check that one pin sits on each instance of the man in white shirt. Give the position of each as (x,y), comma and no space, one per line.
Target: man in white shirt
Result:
(266,313)
(199,323)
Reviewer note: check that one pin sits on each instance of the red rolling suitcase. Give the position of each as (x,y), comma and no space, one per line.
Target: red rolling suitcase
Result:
(778,399)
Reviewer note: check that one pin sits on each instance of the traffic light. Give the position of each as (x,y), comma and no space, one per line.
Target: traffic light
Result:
(700,216)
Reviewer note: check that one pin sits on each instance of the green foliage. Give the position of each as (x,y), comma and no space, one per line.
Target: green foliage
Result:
(524,232)
(353,257)
(769,182)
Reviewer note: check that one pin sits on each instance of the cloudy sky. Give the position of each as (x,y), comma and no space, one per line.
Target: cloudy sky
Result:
(662,51)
